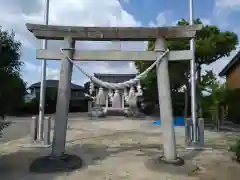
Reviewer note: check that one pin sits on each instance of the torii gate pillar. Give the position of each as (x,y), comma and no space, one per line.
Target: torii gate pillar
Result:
(62,107)
(58,160)
(165,104)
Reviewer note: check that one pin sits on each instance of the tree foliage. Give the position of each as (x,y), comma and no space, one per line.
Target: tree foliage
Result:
(215,101)
(87,87)
(149,84)
(236,149)
(12,89)
(211,44)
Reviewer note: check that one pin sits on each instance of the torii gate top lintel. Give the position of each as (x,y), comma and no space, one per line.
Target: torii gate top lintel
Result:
(53,32)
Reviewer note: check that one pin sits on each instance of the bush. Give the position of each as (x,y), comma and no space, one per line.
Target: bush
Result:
(236,150)
(31,107)
(148,108)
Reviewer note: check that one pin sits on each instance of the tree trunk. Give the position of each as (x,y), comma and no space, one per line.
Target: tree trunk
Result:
(217,118)
(222,114)
(198,90)
(186,102)
(186,97)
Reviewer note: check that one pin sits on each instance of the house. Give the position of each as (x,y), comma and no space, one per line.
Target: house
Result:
(77,99)
(232,72)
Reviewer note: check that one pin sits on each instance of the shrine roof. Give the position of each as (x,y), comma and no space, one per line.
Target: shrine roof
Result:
(114,78)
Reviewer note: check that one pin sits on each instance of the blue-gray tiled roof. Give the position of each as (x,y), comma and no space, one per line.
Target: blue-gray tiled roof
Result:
(54,83)
(114,78)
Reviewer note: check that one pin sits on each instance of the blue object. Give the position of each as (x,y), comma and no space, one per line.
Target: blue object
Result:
(178,121)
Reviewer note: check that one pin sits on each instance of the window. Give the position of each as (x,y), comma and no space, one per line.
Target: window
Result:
(76,94)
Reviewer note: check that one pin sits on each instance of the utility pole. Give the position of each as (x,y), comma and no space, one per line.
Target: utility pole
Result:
(43,79)
(193,78)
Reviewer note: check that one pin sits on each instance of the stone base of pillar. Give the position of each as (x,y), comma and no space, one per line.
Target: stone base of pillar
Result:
(115,111)
(178,166)
(49,164)
(199,144)
(97,111)
(198,147)
(176,162)
(128,112)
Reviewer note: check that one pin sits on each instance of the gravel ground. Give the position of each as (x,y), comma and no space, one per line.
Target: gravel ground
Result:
(119,149)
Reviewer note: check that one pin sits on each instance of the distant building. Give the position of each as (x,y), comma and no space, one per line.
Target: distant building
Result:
(77,99)
(232,72)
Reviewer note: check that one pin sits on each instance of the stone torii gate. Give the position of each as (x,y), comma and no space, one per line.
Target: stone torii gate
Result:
(58,160)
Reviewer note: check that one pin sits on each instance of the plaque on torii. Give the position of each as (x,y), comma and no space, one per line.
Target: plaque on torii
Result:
(70,34)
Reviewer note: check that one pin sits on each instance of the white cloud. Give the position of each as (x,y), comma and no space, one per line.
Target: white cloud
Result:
(126,1)
(206,21)
(68,12)
(162,19)
(232,4)
(32,72)
(222,11)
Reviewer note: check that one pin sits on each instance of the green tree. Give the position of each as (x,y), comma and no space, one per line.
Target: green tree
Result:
(12,89)
(14,92)
(87,87)
(149,84)
(215,103)
(211,44)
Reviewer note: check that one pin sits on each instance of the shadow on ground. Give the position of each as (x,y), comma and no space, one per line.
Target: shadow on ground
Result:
(14,166)
(117,134)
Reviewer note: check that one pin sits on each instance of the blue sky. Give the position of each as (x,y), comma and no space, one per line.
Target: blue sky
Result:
(146,11)
(223,13)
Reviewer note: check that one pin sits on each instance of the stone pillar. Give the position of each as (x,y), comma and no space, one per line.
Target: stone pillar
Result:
(189,132)
(64,91)
(34,128)
(107,99)
(201,131)
(165,105)
(123,100)
(89,106)
(47,130)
